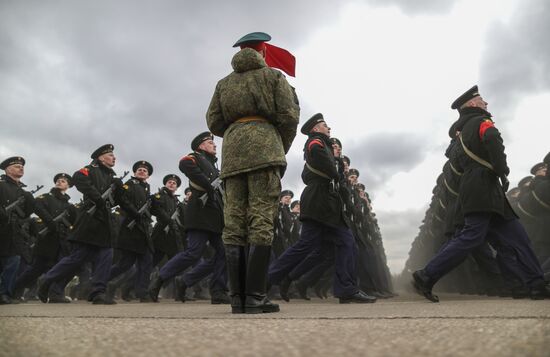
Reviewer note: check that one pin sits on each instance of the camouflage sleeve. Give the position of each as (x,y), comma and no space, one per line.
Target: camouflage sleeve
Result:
(214,117)
(287,111)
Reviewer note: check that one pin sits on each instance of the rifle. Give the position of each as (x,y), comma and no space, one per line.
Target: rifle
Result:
(143,210)
(217,184)
(175,217)
(106,195)
(60,218)
(16,205)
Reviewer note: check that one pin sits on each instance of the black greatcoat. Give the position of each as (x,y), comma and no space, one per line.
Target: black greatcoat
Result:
(480,189)
(96,229)
(200,168)
(133,195)
(163,206)
(49,206)
(320,201)
(11,242)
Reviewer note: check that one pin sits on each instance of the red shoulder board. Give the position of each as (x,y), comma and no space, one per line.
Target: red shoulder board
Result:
(189,158)
(84,171)
(315,142)
(486,124)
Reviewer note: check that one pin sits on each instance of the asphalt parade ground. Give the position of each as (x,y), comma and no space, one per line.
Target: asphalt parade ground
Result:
(404,326)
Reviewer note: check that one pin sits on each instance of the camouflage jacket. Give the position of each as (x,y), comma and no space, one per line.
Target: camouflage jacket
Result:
(253,89)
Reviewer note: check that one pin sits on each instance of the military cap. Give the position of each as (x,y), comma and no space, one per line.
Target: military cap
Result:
(12,161)
(336,141)
(314,120)
(172,177)
(145,164)
(65,176)
(104,149)
(547,158)
(353,172)
(346,159)
(252,37)
(361,186)
(537,167)
(286,193)
(200,138)
(187,189)
(466,96)
(294,203)
(525,181)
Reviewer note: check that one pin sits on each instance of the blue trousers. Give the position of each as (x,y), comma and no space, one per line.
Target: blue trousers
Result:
(144,266)
(100,257)
(316,236)
(514,252)
(39,266)
(9,266)
(196,245)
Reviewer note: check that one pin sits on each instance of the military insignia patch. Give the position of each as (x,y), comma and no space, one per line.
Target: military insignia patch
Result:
(157,196)
(125,187)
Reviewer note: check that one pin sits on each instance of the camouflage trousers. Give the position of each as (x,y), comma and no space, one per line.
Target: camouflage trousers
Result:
(251,202)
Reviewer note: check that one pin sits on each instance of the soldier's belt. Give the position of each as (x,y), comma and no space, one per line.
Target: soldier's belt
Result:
(253,118)
(196,187)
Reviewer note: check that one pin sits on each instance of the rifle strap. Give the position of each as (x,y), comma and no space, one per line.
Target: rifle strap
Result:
(474,157)
(196,187)
(539,200)
(317,172)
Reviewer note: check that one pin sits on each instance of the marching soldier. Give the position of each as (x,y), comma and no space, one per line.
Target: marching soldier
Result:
(256,111)
(324,225)
(16,204)
(487,213)
(58,215)
(93,229)
(283,223)
(165,206)
(203,224)
(133,243)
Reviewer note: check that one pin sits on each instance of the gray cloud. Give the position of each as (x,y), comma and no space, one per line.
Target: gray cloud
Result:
(384,155)
(418,6)
(516,60)
(137,74)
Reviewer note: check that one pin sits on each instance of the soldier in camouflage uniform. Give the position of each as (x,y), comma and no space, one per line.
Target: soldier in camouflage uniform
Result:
(256,111)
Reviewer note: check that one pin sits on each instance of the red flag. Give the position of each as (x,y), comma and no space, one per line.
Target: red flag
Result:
(280,58)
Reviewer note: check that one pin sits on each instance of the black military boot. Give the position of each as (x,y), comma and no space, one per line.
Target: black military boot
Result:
(235,257)
(539,292)
(359,297)
(181,289)
(154,288)
(423,285)
(256,281)
(302,290)
(284,286)
(219,297)
(43,290)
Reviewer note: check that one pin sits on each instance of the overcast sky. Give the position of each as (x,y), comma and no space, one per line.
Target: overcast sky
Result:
(140,74)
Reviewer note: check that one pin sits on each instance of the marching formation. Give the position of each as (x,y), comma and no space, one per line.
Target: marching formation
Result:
(239,234)
(235,229)
(471,218)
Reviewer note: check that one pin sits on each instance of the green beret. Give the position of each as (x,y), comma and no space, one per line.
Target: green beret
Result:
(252,37)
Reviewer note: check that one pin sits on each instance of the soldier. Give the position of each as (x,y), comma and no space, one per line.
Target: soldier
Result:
(167,236)
(323,222)
(93,229)
(11,191)
(58,215)
(283,223)
(203,224)
(487,213)
(256,111)
(134,239)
